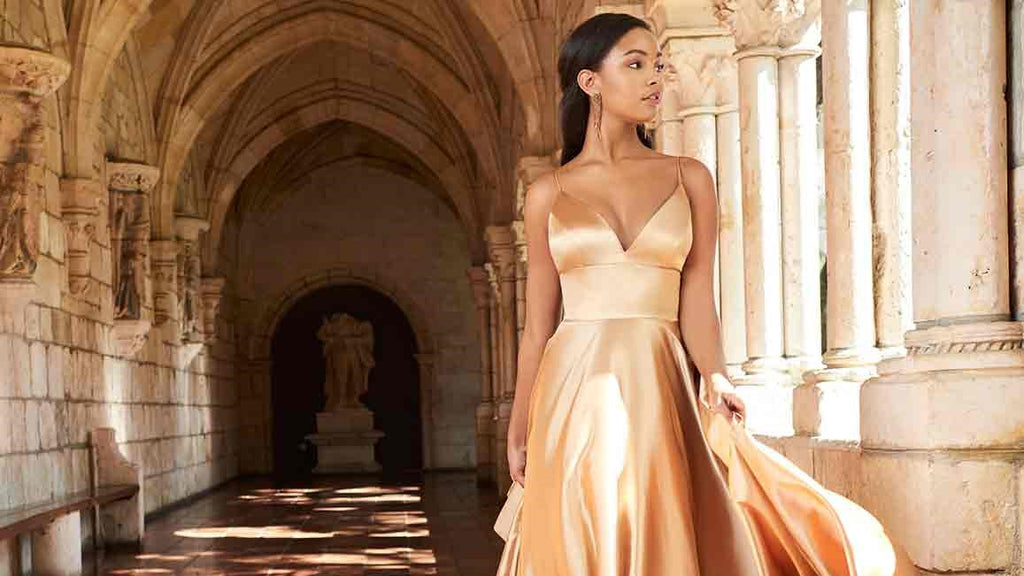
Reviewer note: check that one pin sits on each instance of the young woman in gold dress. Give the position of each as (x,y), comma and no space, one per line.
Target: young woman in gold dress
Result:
(631,464)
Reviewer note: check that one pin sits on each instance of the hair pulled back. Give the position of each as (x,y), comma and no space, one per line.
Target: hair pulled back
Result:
(585,49)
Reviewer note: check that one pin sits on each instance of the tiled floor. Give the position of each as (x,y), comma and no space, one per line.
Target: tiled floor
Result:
(345,526)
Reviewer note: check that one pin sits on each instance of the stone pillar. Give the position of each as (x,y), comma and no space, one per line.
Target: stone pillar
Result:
(761,31)
(164,260)
(732,294)
(798,118)
(502,253)
(57,548)
(498,444)
(943,428)
(27,78)
(827,407)
(890,174)
(762,212)
(129,186)
(700,119)
(428,377)
(1016,54)
(518,228)
(485,409)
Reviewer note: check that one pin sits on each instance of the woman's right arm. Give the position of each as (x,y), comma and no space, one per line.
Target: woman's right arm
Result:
(543,307)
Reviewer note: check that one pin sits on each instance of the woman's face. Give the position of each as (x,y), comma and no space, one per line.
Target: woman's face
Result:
(630,78)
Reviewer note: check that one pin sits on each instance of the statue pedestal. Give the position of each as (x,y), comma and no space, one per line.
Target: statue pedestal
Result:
(344,441)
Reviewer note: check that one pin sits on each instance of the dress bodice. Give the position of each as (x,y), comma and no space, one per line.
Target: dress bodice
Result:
(600,278)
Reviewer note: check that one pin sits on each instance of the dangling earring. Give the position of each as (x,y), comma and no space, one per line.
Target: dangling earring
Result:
(597,114)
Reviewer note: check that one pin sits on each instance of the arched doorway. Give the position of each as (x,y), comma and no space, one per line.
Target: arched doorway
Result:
(298,371)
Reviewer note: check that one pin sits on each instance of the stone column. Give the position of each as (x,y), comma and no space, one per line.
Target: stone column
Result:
(943,428)
(428,377)
(498,444)
(129,186)
(828,405)
(890,174)
(762,241)
(164,260)
(27,78)
(1016,54)
(760,31)
(485,409)
(700,119)
(502,253)
(518,228)
(798,118)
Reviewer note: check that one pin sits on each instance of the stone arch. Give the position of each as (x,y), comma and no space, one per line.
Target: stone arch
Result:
(382,120)
(521,31)
(259,344)
(128,62)
(224,71)
(98,34)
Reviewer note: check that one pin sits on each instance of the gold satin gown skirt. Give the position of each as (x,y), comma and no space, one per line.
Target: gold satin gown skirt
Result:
(628,473)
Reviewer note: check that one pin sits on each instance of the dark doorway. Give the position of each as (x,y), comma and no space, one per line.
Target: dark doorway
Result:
(298,370)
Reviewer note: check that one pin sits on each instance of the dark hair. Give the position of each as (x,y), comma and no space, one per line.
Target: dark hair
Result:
(586,48)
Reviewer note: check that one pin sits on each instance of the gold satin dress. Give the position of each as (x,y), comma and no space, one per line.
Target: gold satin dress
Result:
(628,472)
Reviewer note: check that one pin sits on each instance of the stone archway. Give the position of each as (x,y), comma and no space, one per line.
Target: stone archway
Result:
(261,350)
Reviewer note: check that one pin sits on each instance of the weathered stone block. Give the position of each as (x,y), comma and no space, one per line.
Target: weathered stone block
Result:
(19,436)
(953,515)
(47,425)
(55,361)
(912,411)
(22,368)
(38,361)
(32,425)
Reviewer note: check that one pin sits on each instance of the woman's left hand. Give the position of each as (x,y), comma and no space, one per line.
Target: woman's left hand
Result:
(724,398)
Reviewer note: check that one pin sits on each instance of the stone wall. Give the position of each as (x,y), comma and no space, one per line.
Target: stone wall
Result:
(63,371)
(375,228)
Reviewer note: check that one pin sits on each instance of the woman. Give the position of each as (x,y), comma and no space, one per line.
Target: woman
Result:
(628,467)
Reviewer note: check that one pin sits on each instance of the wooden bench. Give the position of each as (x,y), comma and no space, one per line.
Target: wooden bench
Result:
(114,500)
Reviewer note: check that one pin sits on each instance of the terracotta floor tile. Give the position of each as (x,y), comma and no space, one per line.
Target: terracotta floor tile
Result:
(439,525)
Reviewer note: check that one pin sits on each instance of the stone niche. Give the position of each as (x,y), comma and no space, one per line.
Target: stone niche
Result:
(130,185)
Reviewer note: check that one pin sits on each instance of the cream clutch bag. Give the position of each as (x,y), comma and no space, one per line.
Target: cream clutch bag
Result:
(509,512)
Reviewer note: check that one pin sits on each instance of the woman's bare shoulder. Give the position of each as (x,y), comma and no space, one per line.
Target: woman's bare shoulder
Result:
(540,194)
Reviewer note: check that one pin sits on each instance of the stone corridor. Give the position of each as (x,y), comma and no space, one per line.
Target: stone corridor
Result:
(439,524)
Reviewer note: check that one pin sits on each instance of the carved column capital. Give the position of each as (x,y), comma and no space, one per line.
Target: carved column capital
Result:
(493,281)
(212,293)
(79,207)
(30,71)
(519,234)
(702,78)
(164,258)
(501,247)
(771,23)
(132,177)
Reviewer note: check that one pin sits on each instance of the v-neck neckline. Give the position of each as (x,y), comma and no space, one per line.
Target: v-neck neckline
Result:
(608,226)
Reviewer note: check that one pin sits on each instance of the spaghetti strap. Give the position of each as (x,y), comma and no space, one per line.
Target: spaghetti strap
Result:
(558,183)
(679,170)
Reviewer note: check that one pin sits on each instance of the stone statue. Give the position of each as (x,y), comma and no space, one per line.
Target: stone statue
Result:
(190,291)
(16,256)
(348,348)
(129,257)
